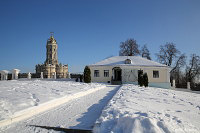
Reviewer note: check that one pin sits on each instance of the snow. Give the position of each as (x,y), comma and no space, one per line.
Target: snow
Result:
(15,70)
(4,71)
(79,113)
(138,109)
(120,61)
(76,105)
(22,99)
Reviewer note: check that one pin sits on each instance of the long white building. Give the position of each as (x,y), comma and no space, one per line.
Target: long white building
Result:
(124,69)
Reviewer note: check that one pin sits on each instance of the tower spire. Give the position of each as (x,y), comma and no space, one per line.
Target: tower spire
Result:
(51,54)
(52,33)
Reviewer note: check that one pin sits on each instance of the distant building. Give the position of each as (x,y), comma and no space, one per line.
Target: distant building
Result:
(51,65)
(4,74)
(124,69)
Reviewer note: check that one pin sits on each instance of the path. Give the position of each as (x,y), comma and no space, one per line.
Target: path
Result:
(80,113)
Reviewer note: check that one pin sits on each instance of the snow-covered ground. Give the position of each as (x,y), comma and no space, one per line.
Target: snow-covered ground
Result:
(16,97)
(137,109)
(80,113)
(132,109)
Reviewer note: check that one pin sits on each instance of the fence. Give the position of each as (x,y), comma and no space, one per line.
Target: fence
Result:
(193,86)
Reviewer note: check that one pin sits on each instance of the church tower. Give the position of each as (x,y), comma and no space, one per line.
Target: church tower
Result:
(51,51)
(51,68)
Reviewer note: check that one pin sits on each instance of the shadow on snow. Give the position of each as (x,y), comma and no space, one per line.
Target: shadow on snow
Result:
(89,118)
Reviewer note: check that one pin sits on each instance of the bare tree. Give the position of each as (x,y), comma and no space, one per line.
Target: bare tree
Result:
(167,53)
(172,57)
(193,69)
(129,48)
(180,62)
(145,52)
(176,70)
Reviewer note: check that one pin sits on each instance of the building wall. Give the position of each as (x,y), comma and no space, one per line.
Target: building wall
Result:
(49,70)
(101,69)
(163,73)
(130,74)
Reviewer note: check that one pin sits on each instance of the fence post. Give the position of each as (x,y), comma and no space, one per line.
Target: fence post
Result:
(174,83)
(41,75)
(188,85)
(69,75)
(29,75)
(54,75)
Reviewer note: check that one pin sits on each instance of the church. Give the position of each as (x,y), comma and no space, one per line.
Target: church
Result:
(51,68)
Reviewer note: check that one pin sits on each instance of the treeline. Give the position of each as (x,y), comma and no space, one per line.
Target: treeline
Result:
(169,55)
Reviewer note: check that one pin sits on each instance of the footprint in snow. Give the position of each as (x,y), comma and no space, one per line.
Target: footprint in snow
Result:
(176,119)
(142,114)
(165,94)
(190,103)
(167,115)
(159,113)
(181,100)
(198,107)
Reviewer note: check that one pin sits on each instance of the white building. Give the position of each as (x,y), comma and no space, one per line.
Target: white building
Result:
(4,74)
(15,73)
(124,69)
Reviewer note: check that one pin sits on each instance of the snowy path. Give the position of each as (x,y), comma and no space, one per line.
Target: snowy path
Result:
(80,113)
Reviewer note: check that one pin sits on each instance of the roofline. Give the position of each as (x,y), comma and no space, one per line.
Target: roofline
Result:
(161,65)
(129,65)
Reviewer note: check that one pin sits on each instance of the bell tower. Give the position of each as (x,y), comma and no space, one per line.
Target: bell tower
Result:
(51,68)
(51,51)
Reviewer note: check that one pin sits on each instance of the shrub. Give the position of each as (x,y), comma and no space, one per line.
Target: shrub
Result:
(140,77)
(87,75)
(145,80)
(81,78)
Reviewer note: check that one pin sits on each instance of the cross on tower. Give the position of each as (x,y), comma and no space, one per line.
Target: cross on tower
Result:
(51,33)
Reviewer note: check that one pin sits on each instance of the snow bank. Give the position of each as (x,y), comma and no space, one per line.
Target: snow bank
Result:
(26,98)
(136,109)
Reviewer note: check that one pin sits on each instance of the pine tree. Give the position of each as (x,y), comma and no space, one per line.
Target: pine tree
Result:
(140,77)
(87,75)
(145,52)
(145,80)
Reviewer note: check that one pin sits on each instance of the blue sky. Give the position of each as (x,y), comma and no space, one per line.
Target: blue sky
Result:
(88,31)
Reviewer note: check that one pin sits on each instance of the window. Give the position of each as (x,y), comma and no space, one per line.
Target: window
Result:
(96,73)
(106,73)
(128,61)
(155,74)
